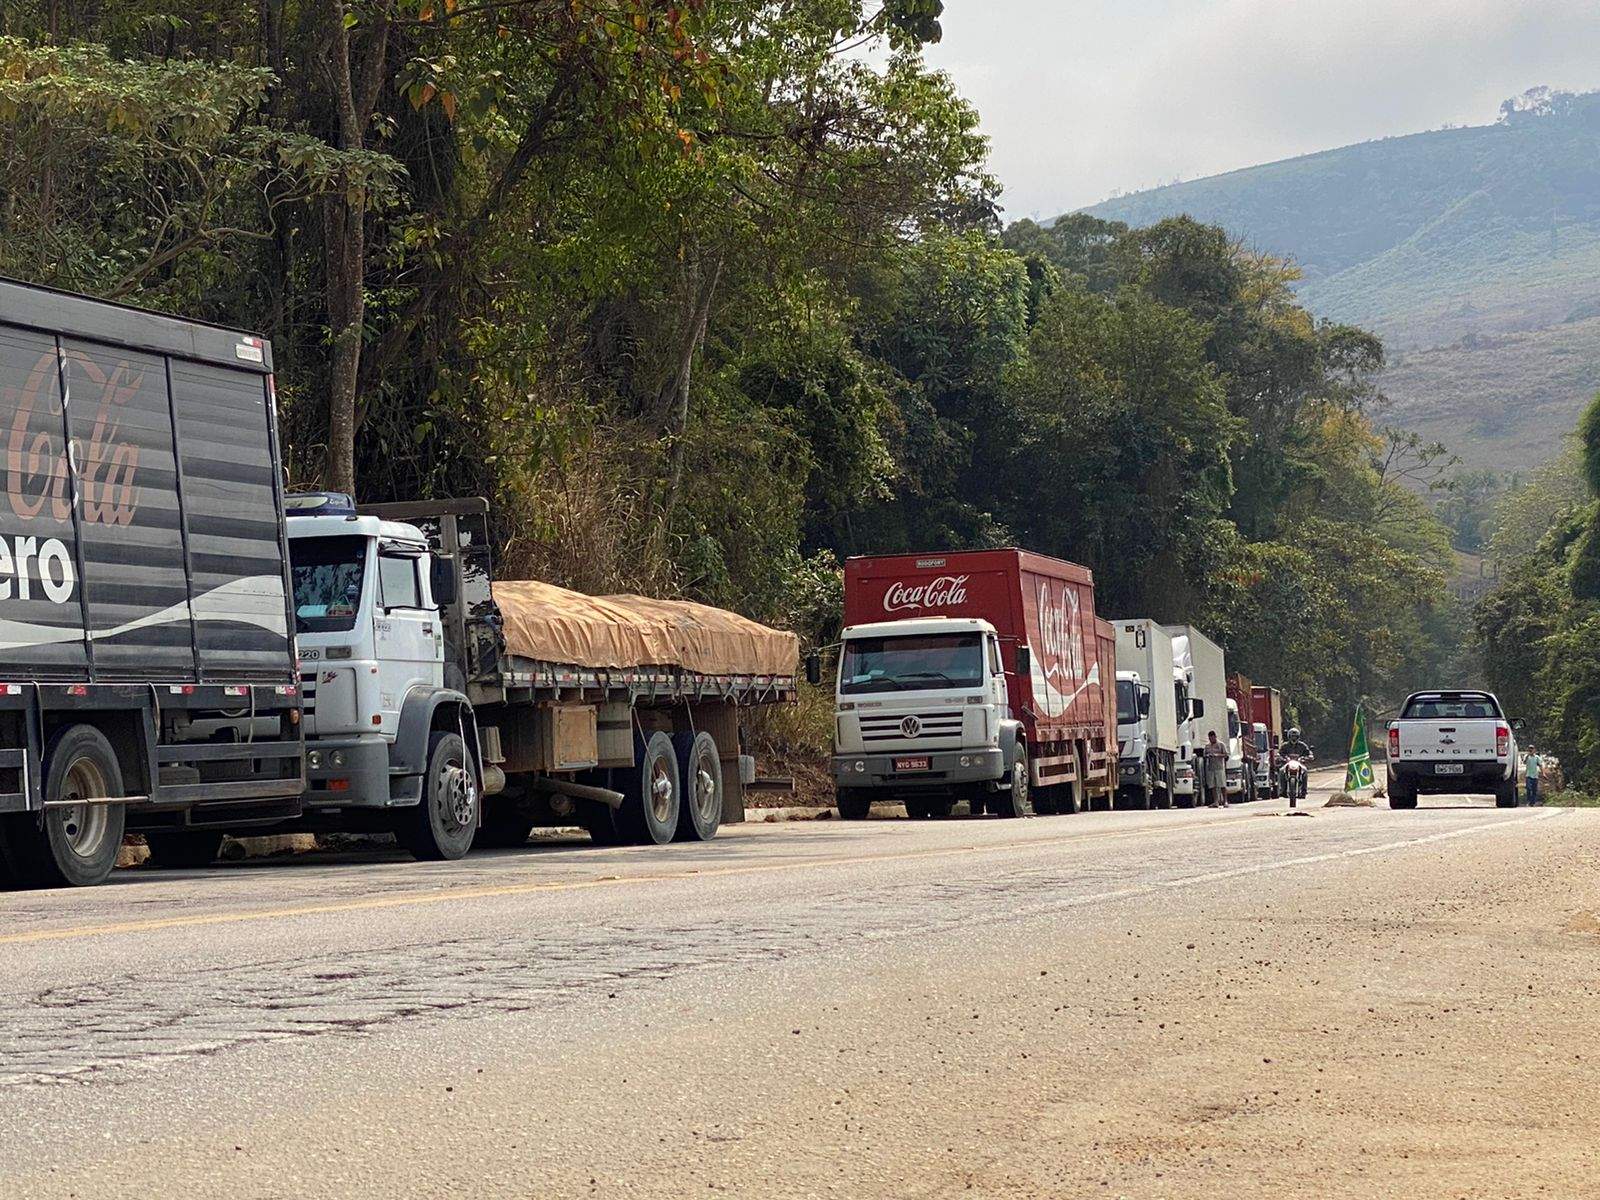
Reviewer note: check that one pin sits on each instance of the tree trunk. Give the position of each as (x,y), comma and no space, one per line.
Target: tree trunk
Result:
(354,77)
(676,394)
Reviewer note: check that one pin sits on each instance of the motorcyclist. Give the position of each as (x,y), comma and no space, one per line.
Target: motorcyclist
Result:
(1294,746)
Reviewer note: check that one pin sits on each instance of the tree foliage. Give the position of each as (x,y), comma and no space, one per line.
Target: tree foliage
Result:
(707,298)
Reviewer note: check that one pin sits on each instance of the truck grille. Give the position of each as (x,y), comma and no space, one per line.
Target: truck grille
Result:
(911,727)
(308,692)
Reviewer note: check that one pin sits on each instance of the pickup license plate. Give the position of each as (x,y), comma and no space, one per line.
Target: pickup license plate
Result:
(1449,769)
(910,764)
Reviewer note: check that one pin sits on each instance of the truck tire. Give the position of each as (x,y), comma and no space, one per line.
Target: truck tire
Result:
(918,810)
(1505,796)
(652,792)
(443,824)
(176,849)
(853,803)
(1015,801)
(700,769)
(72,846)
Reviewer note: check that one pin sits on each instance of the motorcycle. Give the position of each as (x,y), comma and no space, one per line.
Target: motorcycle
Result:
(1293,777)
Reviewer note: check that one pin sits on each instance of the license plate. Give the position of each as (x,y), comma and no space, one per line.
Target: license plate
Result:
(1449,769)
(910,764)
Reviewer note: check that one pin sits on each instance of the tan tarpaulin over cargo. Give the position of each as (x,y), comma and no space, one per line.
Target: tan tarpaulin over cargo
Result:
(551,624)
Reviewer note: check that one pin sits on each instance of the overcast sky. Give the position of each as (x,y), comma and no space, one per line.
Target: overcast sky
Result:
(1085,98)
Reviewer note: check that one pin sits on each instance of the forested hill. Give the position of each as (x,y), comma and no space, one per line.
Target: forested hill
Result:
(1475,252)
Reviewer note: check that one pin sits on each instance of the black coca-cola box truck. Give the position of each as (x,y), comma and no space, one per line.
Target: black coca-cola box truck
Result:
(147,666)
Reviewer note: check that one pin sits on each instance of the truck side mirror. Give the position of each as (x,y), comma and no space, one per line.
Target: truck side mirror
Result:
(1144,703)
(1024,662)
(1197,708)
(442,581)
(814,669)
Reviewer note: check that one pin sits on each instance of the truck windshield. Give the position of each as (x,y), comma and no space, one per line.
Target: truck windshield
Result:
(1127,702)
(912,663)
(1261,741)
(1233,724)
(327,574)
(1451,706)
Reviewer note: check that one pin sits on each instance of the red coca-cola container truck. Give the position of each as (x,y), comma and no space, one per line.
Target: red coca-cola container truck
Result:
(981,676)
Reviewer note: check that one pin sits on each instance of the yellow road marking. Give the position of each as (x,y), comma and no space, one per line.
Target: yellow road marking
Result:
(414,899)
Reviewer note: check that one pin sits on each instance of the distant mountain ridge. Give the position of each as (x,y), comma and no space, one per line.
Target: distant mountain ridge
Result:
(1475,252)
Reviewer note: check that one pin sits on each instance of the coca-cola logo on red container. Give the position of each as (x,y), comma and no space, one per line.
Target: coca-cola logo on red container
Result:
(947,591)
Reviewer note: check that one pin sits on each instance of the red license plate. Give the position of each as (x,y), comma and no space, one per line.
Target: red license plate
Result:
(910,764)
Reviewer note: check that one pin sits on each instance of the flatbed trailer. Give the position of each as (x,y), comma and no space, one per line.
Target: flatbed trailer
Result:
(644,753)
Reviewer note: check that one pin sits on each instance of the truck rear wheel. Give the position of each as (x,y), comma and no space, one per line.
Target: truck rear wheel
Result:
(700,769)
(180,848)
(854,804)
(652,792)
(444,823)
(72,845)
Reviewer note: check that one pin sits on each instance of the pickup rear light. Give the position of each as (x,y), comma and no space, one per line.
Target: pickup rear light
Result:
(1502,741)
(1394,742)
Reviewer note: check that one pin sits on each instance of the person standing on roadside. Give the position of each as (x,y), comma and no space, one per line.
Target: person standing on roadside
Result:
(1532,767)
(1215,757)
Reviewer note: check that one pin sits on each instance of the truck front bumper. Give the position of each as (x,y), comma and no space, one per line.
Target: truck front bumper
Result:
(1235,782)
(945,768)
(1131,772)
(348,772)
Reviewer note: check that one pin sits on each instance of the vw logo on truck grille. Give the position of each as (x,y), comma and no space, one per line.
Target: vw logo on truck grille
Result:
(911,726)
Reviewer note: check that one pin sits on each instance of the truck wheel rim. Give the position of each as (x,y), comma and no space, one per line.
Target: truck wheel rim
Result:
(84,827)
(705,792)
(661,791)
(458,800)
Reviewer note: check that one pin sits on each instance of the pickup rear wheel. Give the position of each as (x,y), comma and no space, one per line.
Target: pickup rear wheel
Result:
(652,792)
(1505,796)
(444,823)
(700,769)
(71,844)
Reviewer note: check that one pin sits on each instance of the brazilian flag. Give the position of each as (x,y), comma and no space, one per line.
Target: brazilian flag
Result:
(1358,774)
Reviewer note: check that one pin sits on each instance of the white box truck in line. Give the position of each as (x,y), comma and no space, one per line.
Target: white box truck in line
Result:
(1198,663)
(1147,715)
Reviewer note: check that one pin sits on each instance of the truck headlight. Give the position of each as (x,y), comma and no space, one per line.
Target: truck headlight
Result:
(336,758)
(966,760)
(314,759)
(861,767)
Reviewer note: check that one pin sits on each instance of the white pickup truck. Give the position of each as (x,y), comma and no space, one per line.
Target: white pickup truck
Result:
(1454,743)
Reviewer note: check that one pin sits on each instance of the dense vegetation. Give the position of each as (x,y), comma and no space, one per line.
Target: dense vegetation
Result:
(1541,627)
(706,299)
(1475,253)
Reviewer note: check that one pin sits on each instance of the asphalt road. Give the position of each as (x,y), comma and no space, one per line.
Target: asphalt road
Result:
(1347,1002)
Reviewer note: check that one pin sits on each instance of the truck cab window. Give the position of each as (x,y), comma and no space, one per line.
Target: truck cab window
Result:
(397,581)
(327,575)
(1127,702)
(913,663)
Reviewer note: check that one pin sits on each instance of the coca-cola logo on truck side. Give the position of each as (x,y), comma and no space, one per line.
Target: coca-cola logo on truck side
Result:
(1061,631)
(947,591)
(36,474)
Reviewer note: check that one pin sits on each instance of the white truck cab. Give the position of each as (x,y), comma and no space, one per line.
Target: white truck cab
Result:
(1236,785)
(1183,782)
(921,706)
(1258,731)
(376,707)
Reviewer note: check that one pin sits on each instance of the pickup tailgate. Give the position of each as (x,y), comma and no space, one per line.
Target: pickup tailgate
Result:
(1432,741)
